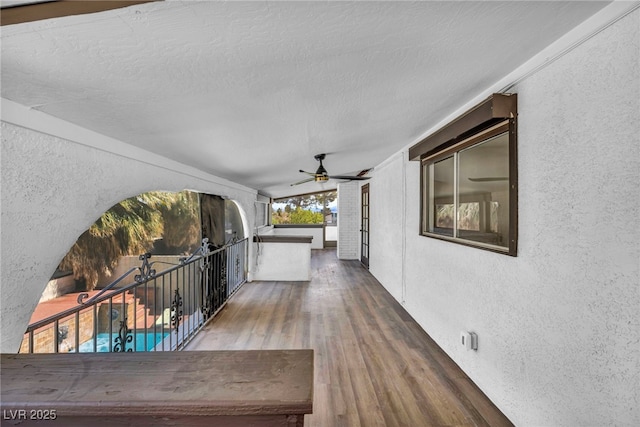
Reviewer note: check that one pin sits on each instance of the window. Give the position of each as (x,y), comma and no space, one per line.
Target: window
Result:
(262,208)
(313,208)
(469,181)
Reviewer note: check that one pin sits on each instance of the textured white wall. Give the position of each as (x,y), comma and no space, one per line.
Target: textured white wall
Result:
(388,225)
(558,326)
(53,189)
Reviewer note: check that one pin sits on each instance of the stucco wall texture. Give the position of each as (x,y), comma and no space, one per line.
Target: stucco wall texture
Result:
(558,326)
(52,190)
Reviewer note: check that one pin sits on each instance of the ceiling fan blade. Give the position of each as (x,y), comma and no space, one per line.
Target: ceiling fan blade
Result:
(490,179)
(303,181)
(352,178)
(321,174)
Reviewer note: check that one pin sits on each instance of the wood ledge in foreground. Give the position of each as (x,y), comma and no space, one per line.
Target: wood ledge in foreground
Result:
(192,388)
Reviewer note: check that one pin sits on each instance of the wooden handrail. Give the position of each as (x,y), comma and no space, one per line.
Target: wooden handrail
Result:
(185,388)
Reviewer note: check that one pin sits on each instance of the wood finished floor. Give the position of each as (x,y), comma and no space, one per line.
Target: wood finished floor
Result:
(374,366)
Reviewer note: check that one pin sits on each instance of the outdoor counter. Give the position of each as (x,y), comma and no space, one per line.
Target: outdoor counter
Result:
(283,257)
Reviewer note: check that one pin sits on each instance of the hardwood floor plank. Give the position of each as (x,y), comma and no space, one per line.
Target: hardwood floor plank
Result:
(374,365)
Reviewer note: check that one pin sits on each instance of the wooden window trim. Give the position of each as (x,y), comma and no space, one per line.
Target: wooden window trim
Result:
(435,155)
(495,115)
(496,108)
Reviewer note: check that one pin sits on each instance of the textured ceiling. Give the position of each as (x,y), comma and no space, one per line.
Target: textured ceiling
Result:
(251,91)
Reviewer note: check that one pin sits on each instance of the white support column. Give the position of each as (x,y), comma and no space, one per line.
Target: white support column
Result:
(349,220)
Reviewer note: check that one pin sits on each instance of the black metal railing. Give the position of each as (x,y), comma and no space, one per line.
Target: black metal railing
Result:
(159,311)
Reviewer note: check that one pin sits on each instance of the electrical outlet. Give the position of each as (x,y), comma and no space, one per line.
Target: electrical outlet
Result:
(469,340)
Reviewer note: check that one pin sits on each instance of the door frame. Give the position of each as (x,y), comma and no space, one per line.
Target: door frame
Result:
(365,231)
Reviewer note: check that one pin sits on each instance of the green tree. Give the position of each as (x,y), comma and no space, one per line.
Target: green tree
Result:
(324,199)
(304,216)
(296,202)
(181,223)
(305,203)
(281,217)
(130,228)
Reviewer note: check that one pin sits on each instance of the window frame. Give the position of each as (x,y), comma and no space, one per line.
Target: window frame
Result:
(471,129)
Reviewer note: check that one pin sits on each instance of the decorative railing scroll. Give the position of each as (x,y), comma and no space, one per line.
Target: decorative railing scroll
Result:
(146,272)
(124,337)
(176,310)
(158,311)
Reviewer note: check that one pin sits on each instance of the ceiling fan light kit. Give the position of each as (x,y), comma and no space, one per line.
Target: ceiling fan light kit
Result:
(321,174)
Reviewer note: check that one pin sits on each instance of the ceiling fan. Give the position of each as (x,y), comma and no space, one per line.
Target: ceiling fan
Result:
(321,174)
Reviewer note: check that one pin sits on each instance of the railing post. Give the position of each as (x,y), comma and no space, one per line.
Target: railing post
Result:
(176,310)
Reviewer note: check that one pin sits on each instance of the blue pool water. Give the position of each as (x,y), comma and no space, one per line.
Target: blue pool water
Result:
(102,341)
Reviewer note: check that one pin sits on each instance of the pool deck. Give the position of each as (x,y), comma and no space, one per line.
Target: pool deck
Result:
(57,305)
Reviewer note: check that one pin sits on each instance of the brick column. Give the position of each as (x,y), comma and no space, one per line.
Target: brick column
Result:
(349,220)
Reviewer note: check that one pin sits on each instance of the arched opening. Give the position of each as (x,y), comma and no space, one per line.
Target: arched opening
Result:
(120,264)
(158,223)
(233,222)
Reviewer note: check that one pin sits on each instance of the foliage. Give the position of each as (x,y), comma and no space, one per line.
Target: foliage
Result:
(310,200)
(303,216)
(131,227)
(297,209)
(297,216)
(468,216)
(182,228)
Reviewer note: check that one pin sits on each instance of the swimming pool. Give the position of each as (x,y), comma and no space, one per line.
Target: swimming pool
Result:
(102,342)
